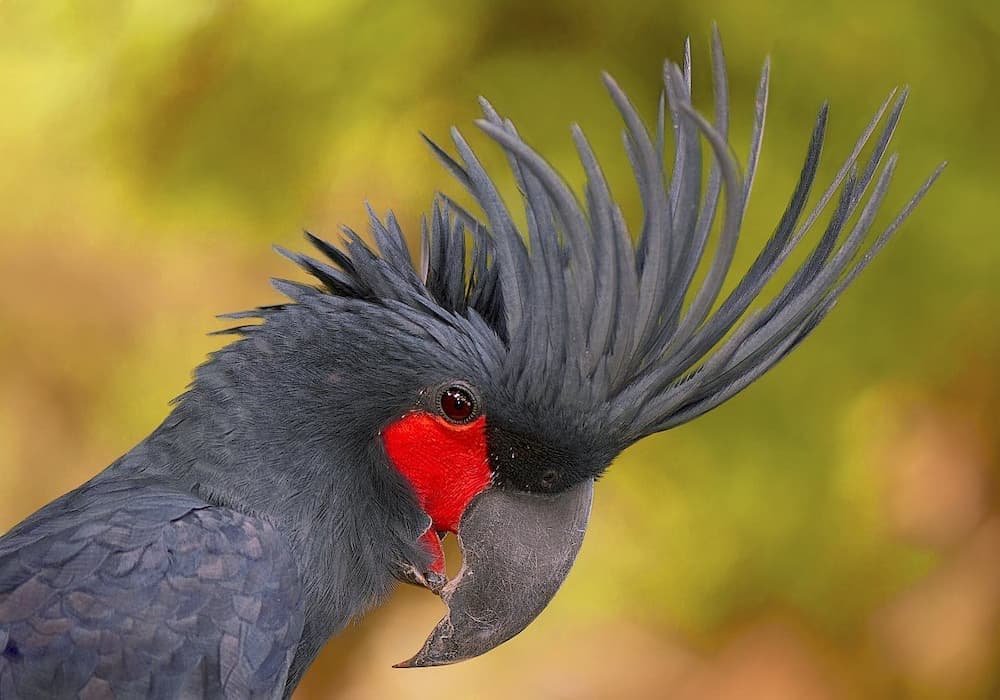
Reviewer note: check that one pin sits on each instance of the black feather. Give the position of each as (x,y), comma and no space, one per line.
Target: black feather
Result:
(592,320)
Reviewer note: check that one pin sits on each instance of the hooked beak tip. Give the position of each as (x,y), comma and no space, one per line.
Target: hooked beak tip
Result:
(517,548)
(420,661)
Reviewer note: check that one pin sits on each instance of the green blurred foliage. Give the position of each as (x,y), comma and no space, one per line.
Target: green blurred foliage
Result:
(152,150)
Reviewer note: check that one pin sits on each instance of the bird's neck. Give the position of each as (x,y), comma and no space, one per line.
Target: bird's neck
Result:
(247,438)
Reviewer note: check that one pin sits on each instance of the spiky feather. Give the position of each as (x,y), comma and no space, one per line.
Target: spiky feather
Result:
(593,319)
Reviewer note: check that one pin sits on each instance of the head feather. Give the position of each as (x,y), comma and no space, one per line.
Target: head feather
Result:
(590,318)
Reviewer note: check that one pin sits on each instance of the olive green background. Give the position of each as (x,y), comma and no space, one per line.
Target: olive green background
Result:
(833,532)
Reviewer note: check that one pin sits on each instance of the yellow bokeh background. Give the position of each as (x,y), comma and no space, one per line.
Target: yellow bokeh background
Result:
(833,532)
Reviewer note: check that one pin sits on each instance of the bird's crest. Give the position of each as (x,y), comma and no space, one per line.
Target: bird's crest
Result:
(592,317)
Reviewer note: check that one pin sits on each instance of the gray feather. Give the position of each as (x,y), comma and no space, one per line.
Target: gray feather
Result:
(608,325)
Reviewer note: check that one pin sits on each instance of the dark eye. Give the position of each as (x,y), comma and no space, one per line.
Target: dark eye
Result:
(549,477)
(457,404)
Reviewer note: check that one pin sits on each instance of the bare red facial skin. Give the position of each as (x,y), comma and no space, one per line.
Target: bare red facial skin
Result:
(432,543)
(445,463)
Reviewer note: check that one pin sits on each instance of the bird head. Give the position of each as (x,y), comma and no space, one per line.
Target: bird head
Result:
(513,363)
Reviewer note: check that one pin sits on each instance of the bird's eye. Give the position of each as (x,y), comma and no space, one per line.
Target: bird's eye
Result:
(549,477)
(457,404)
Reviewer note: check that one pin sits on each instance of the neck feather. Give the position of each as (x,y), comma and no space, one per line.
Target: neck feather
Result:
(259,433)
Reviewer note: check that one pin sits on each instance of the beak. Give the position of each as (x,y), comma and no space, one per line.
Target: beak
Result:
(517,549)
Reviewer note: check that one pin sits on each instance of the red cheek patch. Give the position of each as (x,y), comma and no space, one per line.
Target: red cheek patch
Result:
(432,543)
(446,464)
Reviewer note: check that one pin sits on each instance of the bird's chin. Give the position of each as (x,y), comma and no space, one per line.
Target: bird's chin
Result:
(517,548)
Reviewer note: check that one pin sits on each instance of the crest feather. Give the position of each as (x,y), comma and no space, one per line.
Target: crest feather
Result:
(592,319)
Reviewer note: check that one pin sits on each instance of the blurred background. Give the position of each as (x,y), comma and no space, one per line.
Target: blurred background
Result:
(833,532)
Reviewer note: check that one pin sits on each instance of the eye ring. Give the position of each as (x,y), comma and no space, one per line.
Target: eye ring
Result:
(457,404)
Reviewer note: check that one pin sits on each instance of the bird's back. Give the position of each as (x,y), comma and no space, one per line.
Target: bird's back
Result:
(127,588)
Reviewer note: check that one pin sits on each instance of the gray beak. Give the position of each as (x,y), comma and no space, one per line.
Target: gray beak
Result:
(517,549)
